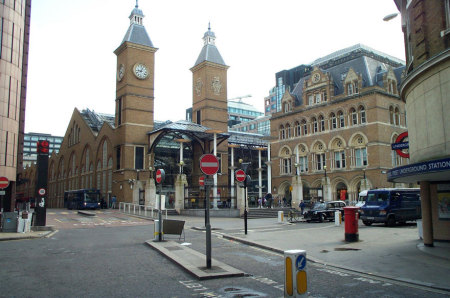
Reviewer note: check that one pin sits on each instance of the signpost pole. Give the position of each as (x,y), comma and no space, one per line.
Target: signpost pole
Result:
(160,215)
(208,230)
(209,165)
(245,205)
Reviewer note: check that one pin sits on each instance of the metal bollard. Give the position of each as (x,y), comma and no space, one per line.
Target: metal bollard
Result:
(337,218)
(156,230)
(295,279)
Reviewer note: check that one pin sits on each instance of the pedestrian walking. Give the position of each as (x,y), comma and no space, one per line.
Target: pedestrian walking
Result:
(268,198)
(302,206)
(259,203)
(113,202)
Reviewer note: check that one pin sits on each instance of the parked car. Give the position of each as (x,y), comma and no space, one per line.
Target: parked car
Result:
(325,211)
(391,205)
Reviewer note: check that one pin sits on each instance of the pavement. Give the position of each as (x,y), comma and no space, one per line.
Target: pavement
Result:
(396,253)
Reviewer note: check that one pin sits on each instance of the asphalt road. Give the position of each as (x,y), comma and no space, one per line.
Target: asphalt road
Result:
(105,256)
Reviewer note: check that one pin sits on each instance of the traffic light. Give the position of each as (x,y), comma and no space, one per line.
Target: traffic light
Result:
(42,147)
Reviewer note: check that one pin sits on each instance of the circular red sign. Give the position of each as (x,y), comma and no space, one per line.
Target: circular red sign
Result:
(4,182)
(209,164)
(400,139)
(160,175)
(41,191)
(240,175)
(201,181)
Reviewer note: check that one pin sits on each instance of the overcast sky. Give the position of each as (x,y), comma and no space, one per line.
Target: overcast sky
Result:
(72,64)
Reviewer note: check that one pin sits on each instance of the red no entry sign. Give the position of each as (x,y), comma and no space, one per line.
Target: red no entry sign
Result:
(201,181)
(209,164)
(160,175)
(4,182)
(240,175)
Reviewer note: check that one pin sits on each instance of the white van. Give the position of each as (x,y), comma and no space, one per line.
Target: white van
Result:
(361,198)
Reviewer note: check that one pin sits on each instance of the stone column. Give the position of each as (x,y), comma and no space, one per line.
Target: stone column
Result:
(427,214)
(326,189)
(150,193)
(240,197)
(180,183)
(297,191)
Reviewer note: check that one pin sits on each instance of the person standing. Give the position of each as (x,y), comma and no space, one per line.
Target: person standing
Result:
(113,202)
(302,206)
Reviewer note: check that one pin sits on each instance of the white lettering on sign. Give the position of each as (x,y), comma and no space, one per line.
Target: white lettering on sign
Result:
(209,164)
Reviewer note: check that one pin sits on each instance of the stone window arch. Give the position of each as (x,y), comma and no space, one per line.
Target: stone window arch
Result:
(338,153)
(288,131)
(318,156)
(282,132)
(304,127)
(353,116)
(362,114)
(341,119)
(285,161)
(302,158)
(359,151)
(297,129)
(315,125)
(333,120)
(321,123)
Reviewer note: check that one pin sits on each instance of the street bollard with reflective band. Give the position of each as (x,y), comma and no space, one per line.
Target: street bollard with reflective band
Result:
(337,218)
(156,230)
(295,279)
(280,216)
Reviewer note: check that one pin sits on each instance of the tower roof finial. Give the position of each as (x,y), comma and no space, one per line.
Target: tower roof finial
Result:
(136,3)
(209,25)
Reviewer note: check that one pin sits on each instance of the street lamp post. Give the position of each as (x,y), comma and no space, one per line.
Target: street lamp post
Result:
(324,186)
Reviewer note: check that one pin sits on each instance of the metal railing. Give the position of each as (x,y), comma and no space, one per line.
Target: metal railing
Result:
(141,210)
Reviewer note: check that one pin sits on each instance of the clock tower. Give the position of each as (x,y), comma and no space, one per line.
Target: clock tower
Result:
(134,97)
(209,104)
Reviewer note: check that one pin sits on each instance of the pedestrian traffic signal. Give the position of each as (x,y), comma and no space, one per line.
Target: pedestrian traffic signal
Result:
(42,147)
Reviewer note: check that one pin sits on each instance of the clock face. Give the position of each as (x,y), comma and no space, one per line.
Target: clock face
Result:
(140,71)
(121,72)
(316,78)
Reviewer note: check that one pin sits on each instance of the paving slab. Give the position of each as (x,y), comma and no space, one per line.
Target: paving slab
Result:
(190,260)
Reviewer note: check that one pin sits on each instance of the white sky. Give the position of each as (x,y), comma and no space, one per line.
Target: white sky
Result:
(72,64)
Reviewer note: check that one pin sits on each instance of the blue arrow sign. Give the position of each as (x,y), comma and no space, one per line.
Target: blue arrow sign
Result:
(300,262)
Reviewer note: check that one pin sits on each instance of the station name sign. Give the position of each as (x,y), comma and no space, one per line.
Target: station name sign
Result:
(420,168)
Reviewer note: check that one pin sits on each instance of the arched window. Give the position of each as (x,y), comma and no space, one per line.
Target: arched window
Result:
(341,119)
(359,149)
(285,161)
(391,115)
(338,155)
(298,129)
(397,116)
(288,131)
(302,159)
(333,121)
(362,115)
(354,116)
(318,156)
(304,127)
(282,135)
(350,89)
(321,123)
(315,125)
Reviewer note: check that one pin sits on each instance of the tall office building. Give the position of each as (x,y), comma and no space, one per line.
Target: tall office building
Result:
(14,40)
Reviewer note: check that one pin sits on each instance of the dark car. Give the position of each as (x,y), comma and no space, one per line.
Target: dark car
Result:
(325,211)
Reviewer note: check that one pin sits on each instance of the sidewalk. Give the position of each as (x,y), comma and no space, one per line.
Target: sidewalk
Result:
(393,253)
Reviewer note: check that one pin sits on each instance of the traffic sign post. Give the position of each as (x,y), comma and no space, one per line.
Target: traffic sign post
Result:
(209,165)
(160,177)
(42,182)
(4,182)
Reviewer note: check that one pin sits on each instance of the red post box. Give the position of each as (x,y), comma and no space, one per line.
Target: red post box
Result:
(351,223)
